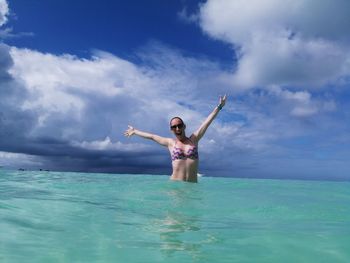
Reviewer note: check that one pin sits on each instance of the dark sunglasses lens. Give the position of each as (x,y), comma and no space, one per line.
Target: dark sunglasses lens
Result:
(177,126)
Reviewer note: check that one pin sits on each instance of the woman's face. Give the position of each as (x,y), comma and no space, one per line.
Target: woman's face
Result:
(177,126)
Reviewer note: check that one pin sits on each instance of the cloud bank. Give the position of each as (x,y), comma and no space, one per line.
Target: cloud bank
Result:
(79,108)
(284,117)
(289,43)
(76,111)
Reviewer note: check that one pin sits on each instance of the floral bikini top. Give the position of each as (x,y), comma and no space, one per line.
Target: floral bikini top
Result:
(179,154)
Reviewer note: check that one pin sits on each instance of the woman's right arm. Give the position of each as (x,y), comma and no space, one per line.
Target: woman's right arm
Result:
(158,139)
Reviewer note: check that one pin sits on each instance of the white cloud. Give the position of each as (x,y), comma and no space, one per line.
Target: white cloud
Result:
(107,144)
(4,10)
(301,103)
(238,21)
(299,42)
(18,160)
(55,78)
(7,33)
(184,16)
(274,60)
(304,111)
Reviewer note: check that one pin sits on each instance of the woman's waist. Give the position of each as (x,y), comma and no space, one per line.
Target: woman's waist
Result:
(184,164)
(185,167)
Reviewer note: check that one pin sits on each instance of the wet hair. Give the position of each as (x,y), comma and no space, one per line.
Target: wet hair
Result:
(176,118)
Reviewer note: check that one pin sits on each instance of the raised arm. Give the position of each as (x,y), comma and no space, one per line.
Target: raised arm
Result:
(158,139)
(203,128)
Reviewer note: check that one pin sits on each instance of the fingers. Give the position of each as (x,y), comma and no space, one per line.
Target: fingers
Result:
(223,99)
(129,131)
(128,134)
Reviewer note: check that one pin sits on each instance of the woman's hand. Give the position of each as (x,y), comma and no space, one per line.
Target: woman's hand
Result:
(222,102)
(130,131)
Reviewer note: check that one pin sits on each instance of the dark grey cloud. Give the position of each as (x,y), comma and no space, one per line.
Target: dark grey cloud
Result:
(61,155)
(15,122)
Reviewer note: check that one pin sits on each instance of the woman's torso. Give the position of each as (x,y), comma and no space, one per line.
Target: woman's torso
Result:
(184,156)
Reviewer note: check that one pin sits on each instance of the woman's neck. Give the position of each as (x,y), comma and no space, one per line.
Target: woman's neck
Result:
(181,138)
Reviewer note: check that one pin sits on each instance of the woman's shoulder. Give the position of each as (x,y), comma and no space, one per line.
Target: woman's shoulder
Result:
(171,142)
(193,139)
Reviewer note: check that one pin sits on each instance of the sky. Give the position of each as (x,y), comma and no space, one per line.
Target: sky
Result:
(74,74)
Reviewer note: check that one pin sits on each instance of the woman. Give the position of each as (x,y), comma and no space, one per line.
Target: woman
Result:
(183,149)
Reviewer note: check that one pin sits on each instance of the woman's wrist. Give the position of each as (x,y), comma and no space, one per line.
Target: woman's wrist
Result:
(219,107)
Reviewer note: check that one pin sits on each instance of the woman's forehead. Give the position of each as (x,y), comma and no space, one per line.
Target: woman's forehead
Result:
(176,121)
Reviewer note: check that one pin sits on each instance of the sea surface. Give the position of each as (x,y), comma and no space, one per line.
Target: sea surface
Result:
(81,217)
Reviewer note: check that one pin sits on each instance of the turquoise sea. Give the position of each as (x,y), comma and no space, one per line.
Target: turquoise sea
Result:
(81,217)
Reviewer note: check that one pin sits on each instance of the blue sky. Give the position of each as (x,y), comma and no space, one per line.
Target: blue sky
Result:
(74,75)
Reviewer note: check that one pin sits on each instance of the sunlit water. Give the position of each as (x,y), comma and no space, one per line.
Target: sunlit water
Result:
(79,217)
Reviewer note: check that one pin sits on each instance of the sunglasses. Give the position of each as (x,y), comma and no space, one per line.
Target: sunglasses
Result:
(180,126)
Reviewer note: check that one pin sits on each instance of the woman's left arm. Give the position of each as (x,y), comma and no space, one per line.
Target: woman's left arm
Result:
(203,128)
